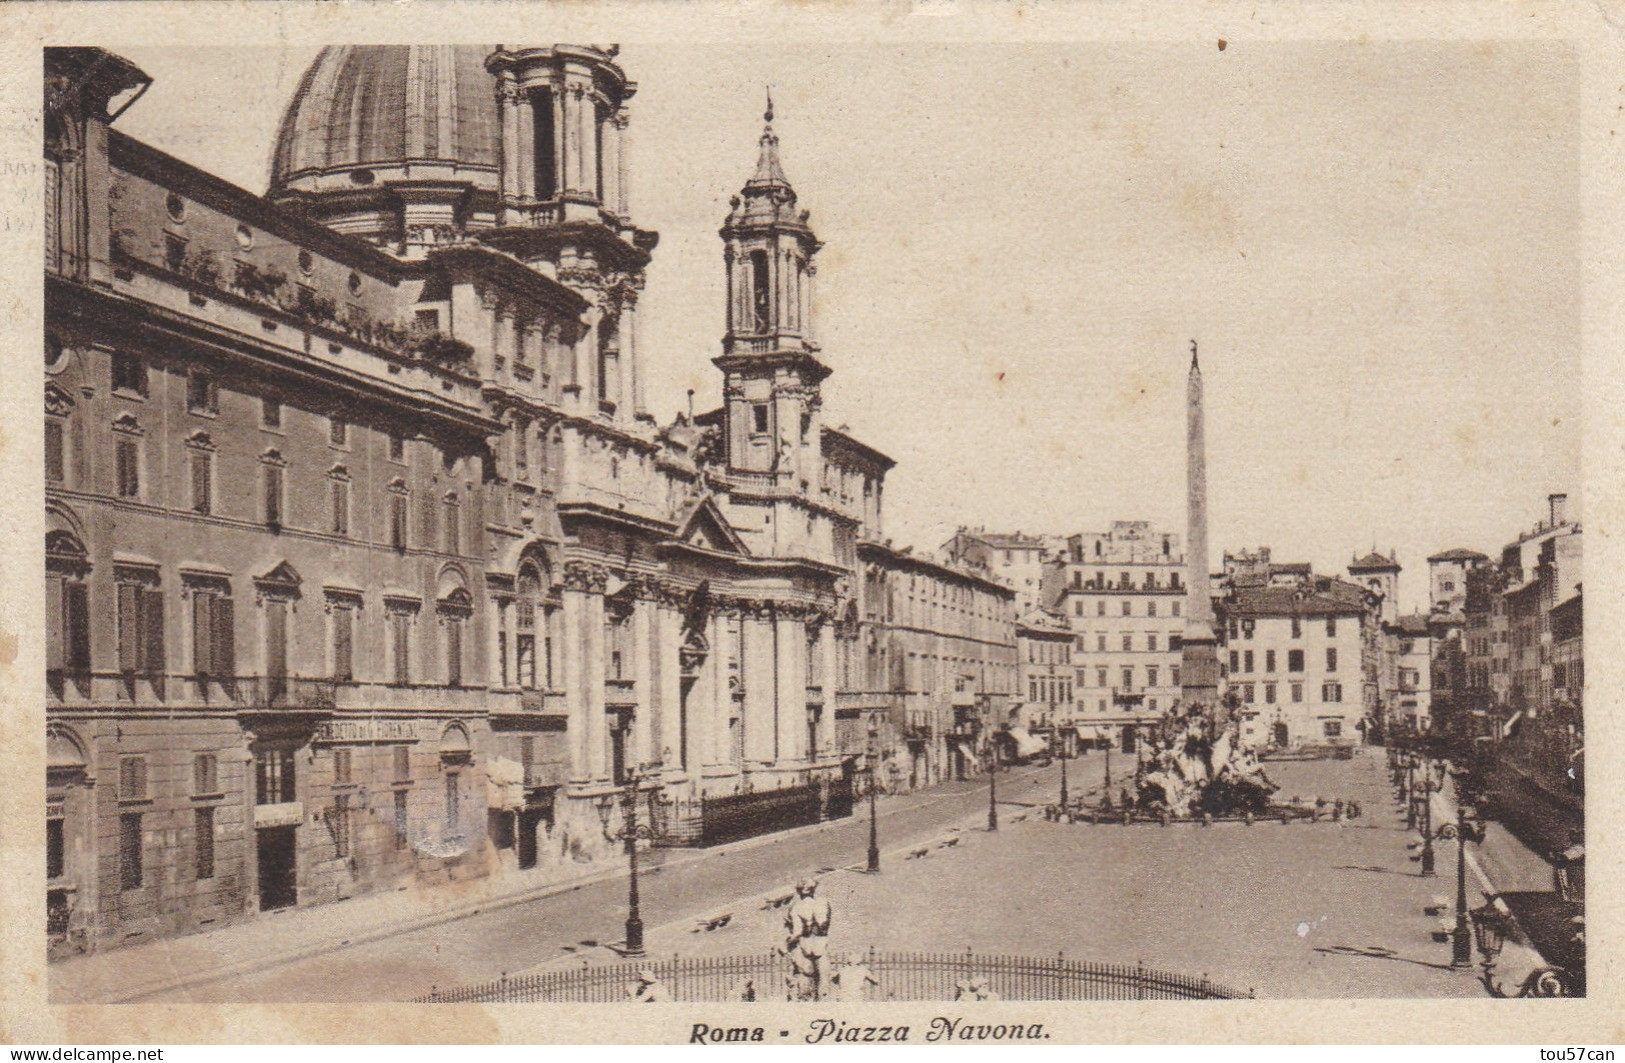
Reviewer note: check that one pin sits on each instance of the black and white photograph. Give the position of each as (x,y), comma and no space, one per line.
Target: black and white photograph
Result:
(809,522)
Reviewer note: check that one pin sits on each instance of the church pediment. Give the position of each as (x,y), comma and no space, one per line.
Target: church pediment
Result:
(706,528)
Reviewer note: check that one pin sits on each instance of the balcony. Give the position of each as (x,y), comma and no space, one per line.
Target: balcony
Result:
(815,695)
(526,702)
(620,694)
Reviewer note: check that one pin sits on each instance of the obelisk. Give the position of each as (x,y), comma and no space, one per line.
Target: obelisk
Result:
(1199,656)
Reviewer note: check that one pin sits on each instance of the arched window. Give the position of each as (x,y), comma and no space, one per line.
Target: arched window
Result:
(534,624)
(760,291)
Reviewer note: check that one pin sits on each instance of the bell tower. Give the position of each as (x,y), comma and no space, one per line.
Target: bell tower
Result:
(769,357)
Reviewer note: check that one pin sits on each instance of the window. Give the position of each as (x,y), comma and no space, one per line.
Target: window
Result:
(1247,693)
(1331,728)
(127,459)
(1128,608)
(343,627)
(202,394)
(1247,661)
(1150,608)
(1269,660)
(129,373)
(203,842)
(1100,607)
(270,413)
(1151,672)
(55,848)
(400,820)
(1294,660)
(1100,677)
(400,646)
(205,774)
(758,418)
(1128,643)
(1269,693)
(1297,628)
(274,776)
(132,778)
(397,520)
(272,483)
(403,763)
(339,490)
(454,650)
(1331,627)
(1331,659)
(341,825)
(1151,642)
(1331,692)
(1177,604)
(1128,678)
(454,811)
(140,627)
(130,871)
(1176,641)
(397,447)
(214,644)
(1100,642)
(1297,692)
(1235,662)
(202,481)
(453,525)
(760,293)
(1173,675)
(338,431)
(55,463)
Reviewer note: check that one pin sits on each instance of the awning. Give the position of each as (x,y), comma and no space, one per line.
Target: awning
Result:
(504,784)
(1026,744)
(1089,731)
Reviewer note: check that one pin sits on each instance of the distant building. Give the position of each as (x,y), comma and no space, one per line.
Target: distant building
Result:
(1447,579)
(1044,646)
(939,664)
(1299,656)
(1380,576)
(1014,557)
(1408,672)
(1122,592)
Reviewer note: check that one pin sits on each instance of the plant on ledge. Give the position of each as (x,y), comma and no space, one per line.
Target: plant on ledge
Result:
(442,349)
(259,284)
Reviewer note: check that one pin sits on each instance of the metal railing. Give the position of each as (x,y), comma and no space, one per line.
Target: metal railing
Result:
(905,976)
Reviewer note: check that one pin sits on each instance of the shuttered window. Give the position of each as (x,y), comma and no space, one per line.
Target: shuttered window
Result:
(214,648)
(132,778)
(140,629)
(341,507)
(400,647)
(397,521)
(55,452)
(130,867)
(454,528)
(76,626)
(127,461)
(205,774)
(454,651)
(273,495)
(203,841)
(202,482)
(343,642)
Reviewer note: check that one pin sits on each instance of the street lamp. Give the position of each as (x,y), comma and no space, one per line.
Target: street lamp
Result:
(1430,786)
(1063,769)
(874,840)
(1410,794)
(630,832)
(1461,946)
(1489,927)
(993,784)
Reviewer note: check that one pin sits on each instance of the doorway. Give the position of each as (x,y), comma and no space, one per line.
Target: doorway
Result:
(279,868)
(1279,735)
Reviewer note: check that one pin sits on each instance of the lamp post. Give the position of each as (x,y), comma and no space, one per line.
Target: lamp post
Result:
(1410,794)
(1461,940)
(1489,926)
(1063,770)
(993,784)
(630,832)
(874,837)
(1108,783)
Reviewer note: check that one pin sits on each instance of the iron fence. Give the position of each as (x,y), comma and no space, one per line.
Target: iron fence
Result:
(728,818)
(898,976)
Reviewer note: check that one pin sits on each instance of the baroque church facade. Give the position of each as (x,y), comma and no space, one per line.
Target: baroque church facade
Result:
(366,563)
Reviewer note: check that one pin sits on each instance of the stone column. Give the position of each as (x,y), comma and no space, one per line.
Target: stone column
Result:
(809,330)
(571,681)
(668,681)
(728,256)
(759,666)
(829,653)
(590,127)
(525,165)
(711,717)
(495,649)
(792,681)
(507,107)
(623,191)
(645,646)
(626,401)
(593,673)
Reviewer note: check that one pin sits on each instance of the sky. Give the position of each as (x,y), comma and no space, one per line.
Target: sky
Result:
(1377,246)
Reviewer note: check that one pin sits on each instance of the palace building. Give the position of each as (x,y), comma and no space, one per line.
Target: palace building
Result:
(367,566)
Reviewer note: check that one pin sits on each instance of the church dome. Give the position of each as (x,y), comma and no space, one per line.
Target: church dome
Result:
(371,112)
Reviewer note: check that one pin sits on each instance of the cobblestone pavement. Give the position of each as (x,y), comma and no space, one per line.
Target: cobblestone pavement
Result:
(1306,910)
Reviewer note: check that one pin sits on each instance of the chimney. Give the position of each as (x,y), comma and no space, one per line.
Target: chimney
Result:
(1559,509)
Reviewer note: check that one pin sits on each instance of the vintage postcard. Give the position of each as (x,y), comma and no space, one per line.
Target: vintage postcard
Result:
(930,524)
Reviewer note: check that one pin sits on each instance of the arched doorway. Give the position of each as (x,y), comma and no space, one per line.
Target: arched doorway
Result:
(1279,734)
